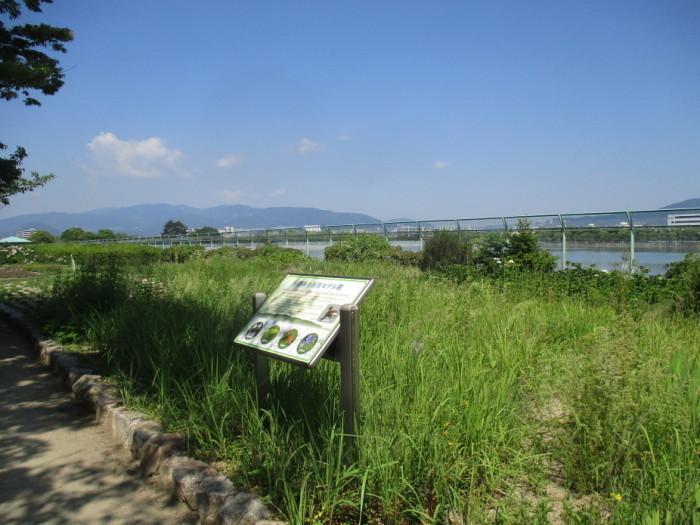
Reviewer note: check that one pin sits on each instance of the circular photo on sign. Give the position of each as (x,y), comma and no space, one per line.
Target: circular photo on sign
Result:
(254,330)
(307,343)
(288,338)
(270,334)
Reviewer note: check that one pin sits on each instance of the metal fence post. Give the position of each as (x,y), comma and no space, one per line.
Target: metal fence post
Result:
(262,363)
(631,224)
(420,235)
(386,235)
(349,353)
(563,243)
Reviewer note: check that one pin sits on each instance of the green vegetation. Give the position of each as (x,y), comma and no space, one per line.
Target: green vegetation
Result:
(512,396)
(78,234)
(174,228)
(24,70)
(618,235)
(369,248)
(42,237)
(96,254)
(207,229)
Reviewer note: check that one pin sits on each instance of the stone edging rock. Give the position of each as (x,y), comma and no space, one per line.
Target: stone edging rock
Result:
(159,453)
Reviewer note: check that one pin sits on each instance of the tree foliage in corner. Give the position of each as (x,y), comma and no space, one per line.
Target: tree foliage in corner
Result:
(25,68)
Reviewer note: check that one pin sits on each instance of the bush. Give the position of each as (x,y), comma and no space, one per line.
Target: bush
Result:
(445,248)
(686,274)
(515,250)
(268,252)
(360,248)
(370,248)
(97,254)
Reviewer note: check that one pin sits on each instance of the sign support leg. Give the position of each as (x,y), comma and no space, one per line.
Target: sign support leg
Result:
(262,371)
(349,354)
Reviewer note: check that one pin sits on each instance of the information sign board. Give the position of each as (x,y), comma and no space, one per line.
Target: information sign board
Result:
(300,319)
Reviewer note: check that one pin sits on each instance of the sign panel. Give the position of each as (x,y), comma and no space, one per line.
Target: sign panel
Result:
(300,319)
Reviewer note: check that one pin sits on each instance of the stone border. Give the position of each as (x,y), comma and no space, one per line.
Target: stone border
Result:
(161,454)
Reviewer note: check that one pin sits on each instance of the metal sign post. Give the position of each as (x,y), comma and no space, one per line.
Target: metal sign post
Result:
(262,364)
(348,345)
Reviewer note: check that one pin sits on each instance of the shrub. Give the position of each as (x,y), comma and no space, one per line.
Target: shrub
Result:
(686,274)
(403,258)
(445,248)
(360,248)
(269,252)
(514,250)
(279,254)
(97,254)
(370,248)
(230,252)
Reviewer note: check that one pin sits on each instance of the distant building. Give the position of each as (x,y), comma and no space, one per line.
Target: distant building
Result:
(312,228)
(227,229)
(684,219)
(25,234)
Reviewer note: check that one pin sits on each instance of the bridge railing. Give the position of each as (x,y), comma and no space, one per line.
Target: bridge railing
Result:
(625,233)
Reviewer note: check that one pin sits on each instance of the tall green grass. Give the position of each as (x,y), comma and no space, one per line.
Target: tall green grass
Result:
(455,379)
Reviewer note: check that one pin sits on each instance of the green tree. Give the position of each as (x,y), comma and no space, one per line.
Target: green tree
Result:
(25,68)
(105,234)
(174,228)
(207,229)
(41,236)
(75,234)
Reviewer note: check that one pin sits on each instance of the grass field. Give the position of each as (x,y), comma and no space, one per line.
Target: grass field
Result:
(481,403)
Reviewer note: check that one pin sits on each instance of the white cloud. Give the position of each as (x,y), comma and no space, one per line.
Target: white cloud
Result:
(344,138)
(307,146)
(278,192)
(230,160)
(230,196)
(440,164)
(133,158)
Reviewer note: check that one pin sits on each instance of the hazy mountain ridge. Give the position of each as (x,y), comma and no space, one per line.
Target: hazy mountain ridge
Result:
(688,203)
(148,219)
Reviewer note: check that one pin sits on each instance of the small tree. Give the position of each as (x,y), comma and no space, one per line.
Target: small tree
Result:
(74,234)
(41,236)
(174,228)
(105,234)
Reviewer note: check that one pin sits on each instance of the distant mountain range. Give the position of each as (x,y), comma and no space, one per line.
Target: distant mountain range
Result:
(148,219)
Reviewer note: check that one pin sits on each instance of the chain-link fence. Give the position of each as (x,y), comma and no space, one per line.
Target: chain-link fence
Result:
(621,240)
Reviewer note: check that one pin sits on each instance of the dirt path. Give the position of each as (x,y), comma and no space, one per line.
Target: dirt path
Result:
(57,466)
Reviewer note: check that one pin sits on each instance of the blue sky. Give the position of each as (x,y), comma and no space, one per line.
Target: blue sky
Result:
(395,109)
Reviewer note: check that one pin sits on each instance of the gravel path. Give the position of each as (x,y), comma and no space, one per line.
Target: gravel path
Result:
(57,466)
